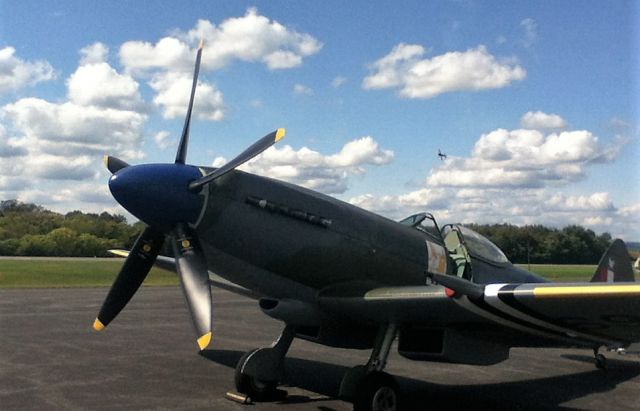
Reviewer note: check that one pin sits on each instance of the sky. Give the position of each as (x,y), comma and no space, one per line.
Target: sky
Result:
(534,103)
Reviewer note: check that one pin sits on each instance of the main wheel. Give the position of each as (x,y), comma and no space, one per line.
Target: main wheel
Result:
(601,362)
(377,391)
(254,388)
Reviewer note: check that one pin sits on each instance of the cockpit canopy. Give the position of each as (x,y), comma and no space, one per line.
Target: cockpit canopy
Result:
(479,246)
(475,244)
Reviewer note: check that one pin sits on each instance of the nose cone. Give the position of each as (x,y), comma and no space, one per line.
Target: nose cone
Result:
(158,194)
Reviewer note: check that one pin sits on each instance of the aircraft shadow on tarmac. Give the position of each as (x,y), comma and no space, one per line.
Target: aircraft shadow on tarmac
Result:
(541,393)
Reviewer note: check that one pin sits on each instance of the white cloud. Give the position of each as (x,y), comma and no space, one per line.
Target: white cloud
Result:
(417,77)
(173,92)
(515,177)
(99,84)
(167,53)
(302,90)
(16,73)
(163,139)
(66,140)
(311,169)
(94,53)
(251,38)
(90,127)
(539,120)
(523,158)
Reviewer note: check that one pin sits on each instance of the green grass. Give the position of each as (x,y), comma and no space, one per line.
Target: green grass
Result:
(562,273)
(56,273)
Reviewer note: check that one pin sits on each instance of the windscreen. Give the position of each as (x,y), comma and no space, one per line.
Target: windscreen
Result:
(480,246)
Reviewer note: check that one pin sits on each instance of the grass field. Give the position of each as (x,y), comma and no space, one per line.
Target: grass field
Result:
(562,273)
(54,273)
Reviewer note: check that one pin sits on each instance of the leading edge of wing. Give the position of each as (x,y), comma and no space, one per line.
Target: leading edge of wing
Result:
(586,313)
(169,264)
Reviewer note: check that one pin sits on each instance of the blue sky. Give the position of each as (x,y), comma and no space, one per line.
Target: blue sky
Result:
(535,104)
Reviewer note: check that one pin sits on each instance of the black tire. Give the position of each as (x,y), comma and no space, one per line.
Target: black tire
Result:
(601,362)
(377,391)
(252,387)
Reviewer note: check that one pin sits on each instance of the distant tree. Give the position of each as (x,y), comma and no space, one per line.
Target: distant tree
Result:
(29,229)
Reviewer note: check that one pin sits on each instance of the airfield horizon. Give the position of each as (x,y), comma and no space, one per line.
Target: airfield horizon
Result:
(63,272)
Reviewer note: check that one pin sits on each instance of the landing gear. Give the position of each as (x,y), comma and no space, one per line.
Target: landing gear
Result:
(367,386)
(259,371)
(600,360)
(377,391)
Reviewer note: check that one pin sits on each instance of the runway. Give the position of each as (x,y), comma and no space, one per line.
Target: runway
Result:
(51,359)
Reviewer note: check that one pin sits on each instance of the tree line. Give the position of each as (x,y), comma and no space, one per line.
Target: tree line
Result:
(538,244)
(31,230)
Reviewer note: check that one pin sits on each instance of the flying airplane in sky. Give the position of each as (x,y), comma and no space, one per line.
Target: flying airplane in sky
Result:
(443,156)
(344,277)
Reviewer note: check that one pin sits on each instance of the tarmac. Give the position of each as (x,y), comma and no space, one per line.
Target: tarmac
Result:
(52,359)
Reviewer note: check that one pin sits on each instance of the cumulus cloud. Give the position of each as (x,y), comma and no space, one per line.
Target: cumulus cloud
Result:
(65,140)
(94,53)
(89,129)
(163,139)
(169,62)
(173,92)
(406,68)
(311,169)
(515,176)
(251,38)
(96,83)
(16,73)
(539,120)
(523,158)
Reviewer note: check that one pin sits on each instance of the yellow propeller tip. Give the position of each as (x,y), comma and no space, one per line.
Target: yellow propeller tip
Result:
(97,325)
(205,340)
(119,253)
(201,45)
(105,160)
(280,134)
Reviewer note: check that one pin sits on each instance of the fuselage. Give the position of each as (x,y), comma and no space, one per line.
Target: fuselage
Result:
(305,236)
(253,227)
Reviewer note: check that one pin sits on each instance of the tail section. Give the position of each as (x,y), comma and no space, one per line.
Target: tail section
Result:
(615,265)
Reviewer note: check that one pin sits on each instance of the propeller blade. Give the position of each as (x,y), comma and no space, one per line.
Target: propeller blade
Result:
(194,278)
(114,164)
(133,272)
(255,149)
(181,155)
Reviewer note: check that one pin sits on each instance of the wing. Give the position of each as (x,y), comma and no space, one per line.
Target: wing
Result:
(541,314)
(169,264)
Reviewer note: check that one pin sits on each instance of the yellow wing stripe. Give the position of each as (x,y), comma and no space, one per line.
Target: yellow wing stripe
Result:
(587,291)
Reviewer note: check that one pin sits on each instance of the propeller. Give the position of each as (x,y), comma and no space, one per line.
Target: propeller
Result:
(114,164)
(255,149)
(167,198)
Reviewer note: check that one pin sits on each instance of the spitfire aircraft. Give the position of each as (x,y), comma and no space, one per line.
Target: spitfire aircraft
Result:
(341,276)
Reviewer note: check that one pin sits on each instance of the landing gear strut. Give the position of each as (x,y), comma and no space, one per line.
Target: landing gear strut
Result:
(367,386)
(260,370)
